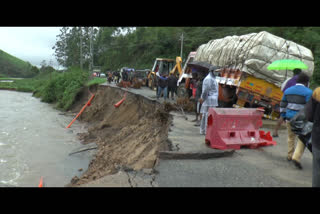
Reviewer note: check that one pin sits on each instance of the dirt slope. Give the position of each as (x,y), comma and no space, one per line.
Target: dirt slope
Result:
(129,136)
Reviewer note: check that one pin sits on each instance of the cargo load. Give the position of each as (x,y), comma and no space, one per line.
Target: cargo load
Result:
(252,53)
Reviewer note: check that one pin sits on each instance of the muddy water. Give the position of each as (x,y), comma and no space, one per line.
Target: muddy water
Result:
(34,142)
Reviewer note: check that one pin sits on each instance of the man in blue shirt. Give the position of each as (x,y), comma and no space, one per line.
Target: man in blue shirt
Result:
(287,84)
(293,100)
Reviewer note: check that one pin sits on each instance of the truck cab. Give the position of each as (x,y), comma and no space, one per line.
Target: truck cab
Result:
(242,90)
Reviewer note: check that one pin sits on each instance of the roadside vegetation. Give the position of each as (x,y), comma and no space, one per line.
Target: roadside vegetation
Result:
(136,48)
(139,46)
(60,88)
(12,66)
(96,81)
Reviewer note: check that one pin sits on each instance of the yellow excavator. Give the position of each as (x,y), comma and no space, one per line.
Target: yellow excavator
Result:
(167,66)
(162,66)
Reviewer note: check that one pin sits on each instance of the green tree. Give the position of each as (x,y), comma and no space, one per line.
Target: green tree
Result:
(116,47)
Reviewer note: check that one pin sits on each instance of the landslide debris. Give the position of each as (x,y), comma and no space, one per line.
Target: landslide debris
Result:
(128,136)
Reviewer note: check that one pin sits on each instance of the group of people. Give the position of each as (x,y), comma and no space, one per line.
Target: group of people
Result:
(204,89)
(297,96)
(166,85)
(113,76)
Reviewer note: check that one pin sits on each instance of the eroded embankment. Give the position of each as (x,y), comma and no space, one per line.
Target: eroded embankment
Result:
(128,136)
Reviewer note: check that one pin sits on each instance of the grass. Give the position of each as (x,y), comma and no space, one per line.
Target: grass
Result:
(25,85)
(96,81)
(9,78)
(54,87)
(14,60)
(62,88)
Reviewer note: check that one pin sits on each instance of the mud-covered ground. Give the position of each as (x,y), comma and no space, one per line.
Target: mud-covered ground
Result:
(129,136)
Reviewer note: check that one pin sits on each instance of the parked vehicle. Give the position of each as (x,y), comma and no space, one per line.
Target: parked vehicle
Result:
(140,76)
(244,80)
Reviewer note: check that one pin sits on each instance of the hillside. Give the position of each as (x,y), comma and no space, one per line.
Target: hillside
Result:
(11,66)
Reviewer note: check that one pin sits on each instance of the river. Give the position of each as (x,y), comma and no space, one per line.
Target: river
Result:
(34,142)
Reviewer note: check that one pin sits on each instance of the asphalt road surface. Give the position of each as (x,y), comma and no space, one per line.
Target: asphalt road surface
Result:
(261,167)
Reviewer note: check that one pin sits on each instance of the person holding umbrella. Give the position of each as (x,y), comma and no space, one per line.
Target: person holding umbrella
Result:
(286,84)
(293,100)
(209,97)
(286,64)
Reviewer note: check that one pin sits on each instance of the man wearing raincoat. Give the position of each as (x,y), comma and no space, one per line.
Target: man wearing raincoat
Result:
(209,97)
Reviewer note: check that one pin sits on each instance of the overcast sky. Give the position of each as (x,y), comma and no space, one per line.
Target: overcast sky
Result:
(32,44)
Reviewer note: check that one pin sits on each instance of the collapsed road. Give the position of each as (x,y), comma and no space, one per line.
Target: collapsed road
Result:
(138,142)
(128,136)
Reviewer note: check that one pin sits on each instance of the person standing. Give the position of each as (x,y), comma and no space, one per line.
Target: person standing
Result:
(287,84)
(172,85)
(193,84)
(162,87)
(197,98)
(209,97)
(312,112)
(116,77)
(109,77)
(293,100)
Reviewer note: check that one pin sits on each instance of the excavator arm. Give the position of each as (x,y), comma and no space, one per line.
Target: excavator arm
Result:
(177,67)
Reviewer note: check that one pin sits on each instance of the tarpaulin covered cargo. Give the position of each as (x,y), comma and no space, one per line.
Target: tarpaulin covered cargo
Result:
(253,53)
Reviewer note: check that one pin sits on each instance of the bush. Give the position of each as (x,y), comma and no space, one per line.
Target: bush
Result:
(62,88)
(53,87)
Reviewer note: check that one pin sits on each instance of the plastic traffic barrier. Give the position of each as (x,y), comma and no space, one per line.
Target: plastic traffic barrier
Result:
(230,128)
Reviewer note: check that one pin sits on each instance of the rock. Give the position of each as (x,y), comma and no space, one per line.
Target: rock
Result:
(74,180)
(148,171)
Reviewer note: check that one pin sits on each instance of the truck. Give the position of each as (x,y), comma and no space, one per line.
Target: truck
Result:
(126,77)
(244,80)
(139,78)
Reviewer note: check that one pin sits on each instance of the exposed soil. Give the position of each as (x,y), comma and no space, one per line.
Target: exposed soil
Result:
(128,136)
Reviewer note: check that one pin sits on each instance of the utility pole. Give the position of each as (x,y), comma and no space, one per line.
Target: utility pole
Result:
(81,48)
(91,49)
(181,38)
